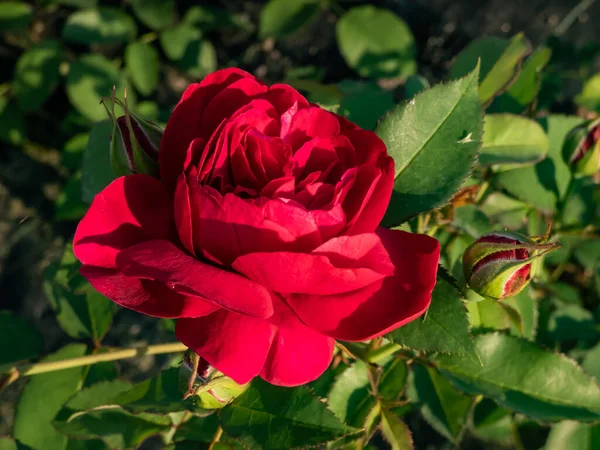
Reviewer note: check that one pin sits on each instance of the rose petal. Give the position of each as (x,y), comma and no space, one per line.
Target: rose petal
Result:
(234,344)
(317,273)
(185,122)
(229,100)
(228,226)
(311,123)
(162,261)
(384,305)
(283,97)
(298,354)
(367,200)
(145,296)
(183,214)
(120,216)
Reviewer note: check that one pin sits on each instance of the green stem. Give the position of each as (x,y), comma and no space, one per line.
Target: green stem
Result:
(382,352)
(516,436)
(216,438)
(562,203)
(572,16)
(114,355)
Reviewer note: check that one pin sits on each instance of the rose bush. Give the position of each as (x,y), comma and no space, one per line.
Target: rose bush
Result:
(262,234)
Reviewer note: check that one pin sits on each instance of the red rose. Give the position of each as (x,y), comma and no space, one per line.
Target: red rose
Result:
(262,235)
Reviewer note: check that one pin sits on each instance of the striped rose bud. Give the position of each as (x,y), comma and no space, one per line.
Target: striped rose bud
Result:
(134,143)
(500,264)
(208,387)
(581,149)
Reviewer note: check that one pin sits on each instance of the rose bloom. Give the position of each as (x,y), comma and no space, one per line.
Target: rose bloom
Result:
(261,236)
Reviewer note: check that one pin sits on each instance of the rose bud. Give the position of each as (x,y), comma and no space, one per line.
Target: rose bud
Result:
(500,264)
(209,387)
(581,149)
(134,143)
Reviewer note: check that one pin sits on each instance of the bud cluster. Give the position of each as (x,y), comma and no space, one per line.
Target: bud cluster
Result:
(134,142)
(209,388)
(581,149)
(499,265)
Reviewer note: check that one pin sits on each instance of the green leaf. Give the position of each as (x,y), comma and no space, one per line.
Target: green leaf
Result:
(273,417)
(376,43)
(20,340)
(43,397)
(540,384)
(363,103)
(504,210)
(15,15)
(434,140)
(159,394)
(210,17)
(415,84)
(395,432)
(183,43)
(155,14)
(118,428)
(96,170)
(572,323)
(500,61)
(99,26)
(12,125)
(526,87)
(444,408)
(198,429)
(444,328)
(591,362)
(177,39)
(99,394)
(392,380)
(541,185)
(470,219)
(10,444)
(200,59)
(510,139)
(72,152)
(37,74)
(81,310)
(589,97)
(573,435)
(279,18)
(488,314)
(141,60)
(91,78)
(350,398)
(69,205)
(527,308)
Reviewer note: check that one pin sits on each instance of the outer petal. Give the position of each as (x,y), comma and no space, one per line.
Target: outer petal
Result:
(236,345)
(330,269)
(130,210)
(298,354)
(185,123)
(162,261)
(369,197)
(146,296)
(383,305)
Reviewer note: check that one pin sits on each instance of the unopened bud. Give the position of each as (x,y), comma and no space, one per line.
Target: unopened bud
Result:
(499,265)
(581,149)
(206,385)
(134,143)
